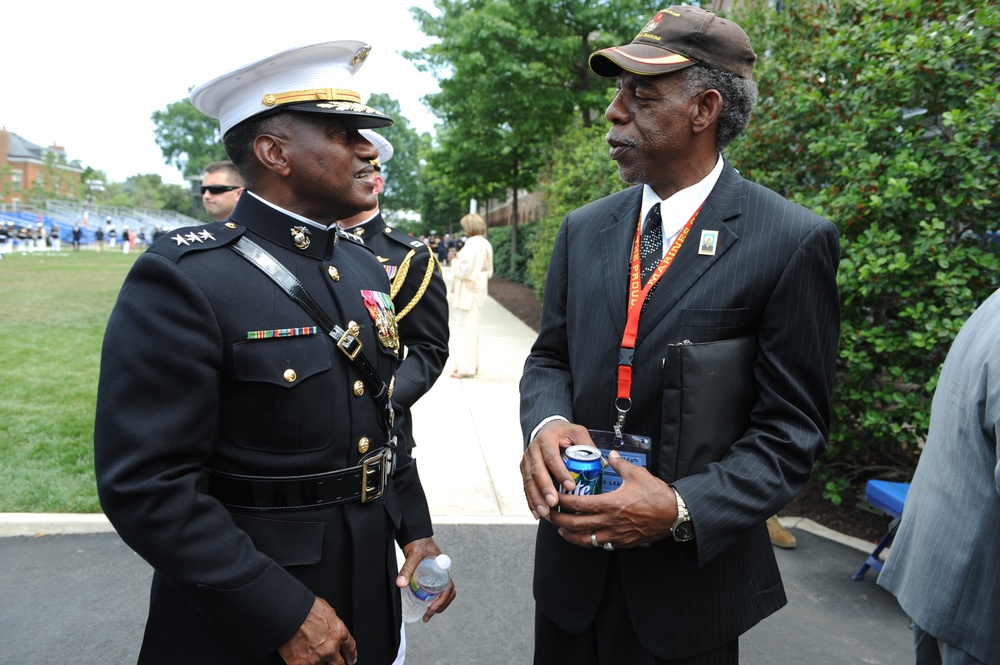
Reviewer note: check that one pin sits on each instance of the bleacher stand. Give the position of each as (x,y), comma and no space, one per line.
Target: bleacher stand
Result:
(22,226)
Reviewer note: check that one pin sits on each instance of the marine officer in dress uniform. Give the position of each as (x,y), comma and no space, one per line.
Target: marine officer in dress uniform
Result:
(243,446)
(418,293)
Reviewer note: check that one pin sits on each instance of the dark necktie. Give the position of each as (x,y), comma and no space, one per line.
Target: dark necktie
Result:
(651,243)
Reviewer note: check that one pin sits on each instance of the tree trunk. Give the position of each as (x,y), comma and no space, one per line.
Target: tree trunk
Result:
(513,227)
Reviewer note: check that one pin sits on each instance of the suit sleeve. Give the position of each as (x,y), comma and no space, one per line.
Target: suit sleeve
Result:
(547,382)
(424,330)
(157,413)
(798,335)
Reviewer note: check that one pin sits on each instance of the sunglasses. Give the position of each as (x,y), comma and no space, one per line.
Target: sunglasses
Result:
(218,189)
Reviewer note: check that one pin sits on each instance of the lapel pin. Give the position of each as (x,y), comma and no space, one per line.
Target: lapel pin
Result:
(709,239)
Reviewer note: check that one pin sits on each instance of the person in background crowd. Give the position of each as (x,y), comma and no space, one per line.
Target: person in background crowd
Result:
(77,235)
(110,232)
(54,237)
(946,553)
(675,564)
(221,186)
(99,238)
(267,498)
(471,273)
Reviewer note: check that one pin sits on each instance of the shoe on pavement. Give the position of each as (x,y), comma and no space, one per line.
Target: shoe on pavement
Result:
(780,536)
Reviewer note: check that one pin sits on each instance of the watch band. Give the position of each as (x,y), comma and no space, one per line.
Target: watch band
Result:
(683,528)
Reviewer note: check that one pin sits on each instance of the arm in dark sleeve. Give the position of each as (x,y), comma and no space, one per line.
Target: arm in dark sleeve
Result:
(422,317)
(156,423)
(547,382)
(797,336)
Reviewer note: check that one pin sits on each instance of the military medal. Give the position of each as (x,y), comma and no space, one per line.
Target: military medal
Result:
(383,314)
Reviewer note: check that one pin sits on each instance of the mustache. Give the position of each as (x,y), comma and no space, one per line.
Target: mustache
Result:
(616,140)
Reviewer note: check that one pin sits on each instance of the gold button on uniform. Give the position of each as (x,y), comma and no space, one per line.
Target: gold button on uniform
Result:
(290,375)
(363,445)
(359,388)
(334,273)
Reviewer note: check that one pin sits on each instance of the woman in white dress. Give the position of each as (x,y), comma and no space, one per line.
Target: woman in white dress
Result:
(471,268)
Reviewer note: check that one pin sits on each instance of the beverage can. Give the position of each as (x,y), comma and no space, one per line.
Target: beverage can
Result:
(586,465)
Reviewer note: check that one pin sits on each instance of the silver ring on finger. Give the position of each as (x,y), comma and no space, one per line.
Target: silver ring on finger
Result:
(593,539)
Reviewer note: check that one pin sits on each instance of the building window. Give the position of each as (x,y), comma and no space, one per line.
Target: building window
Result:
(17,179)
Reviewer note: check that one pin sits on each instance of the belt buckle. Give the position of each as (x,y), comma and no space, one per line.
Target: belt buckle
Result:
(375,465)
(348,340)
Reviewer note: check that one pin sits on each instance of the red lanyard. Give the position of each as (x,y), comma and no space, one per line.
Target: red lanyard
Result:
(636,297)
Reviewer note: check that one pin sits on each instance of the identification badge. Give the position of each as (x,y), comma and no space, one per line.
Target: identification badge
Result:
(633,448)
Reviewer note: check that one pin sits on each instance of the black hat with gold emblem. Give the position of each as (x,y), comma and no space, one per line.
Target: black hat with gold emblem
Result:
(315,78)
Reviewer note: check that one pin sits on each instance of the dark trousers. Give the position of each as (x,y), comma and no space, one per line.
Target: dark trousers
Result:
(611,640)
(929,650)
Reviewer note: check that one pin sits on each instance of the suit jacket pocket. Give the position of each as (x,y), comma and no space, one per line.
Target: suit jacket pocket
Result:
(287,543)
(708,395)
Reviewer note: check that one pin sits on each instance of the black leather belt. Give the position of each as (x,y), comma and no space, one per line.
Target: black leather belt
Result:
(365,482)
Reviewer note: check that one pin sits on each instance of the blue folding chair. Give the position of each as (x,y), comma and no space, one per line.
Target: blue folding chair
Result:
(889,497)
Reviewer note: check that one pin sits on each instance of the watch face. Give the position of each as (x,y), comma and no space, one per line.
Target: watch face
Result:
(683,532)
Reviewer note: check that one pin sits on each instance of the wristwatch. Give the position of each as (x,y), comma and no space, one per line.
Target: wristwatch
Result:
(683,528)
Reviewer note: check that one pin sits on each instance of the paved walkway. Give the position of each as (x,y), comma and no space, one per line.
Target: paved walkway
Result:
(82,595)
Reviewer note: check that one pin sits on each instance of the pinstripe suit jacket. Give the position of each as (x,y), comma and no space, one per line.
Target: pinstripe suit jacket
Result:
(773,277)
(945,559)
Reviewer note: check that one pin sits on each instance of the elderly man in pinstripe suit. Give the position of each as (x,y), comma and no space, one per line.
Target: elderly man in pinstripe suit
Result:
(721,353)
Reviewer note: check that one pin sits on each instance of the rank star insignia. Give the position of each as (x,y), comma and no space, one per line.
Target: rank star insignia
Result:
(181,240)
(193,237)
(205,235)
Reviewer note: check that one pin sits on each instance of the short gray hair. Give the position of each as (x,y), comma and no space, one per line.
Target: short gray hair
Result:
(739,96)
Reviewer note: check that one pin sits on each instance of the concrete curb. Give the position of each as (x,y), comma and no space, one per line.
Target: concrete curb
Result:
(58,524)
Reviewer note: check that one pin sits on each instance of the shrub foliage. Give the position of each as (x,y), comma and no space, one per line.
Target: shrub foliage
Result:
(883,117)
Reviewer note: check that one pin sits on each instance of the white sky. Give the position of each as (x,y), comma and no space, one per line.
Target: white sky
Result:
(88,75)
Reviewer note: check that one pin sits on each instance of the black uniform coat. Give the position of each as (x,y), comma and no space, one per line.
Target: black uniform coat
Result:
(773,277)
(421,299)
(192,392)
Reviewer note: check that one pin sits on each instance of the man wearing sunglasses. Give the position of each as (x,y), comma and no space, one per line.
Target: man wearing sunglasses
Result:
(221,186)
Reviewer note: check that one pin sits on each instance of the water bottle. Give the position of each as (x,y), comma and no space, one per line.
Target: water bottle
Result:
(429,579)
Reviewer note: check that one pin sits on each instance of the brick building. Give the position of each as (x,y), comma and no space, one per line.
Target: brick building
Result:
(27,168)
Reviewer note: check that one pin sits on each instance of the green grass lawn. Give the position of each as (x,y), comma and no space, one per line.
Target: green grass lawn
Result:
(53,311)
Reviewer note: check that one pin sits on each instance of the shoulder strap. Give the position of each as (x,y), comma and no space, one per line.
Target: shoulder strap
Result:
(346,340)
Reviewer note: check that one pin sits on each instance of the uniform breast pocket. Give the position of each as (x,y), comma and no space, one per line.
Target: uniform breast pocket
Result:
(284,398)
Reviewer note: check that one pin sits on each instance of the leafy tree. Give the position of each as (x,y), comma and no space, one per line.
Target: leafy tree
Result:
(148,191)
(55,179)
(512,76)
(402,172)
(885,118)
(440,201)
(579,171)
(188,139)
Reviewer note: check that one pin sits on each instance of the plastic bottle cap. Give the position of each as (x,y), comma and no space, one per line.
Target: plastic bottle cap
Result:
(443,561)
